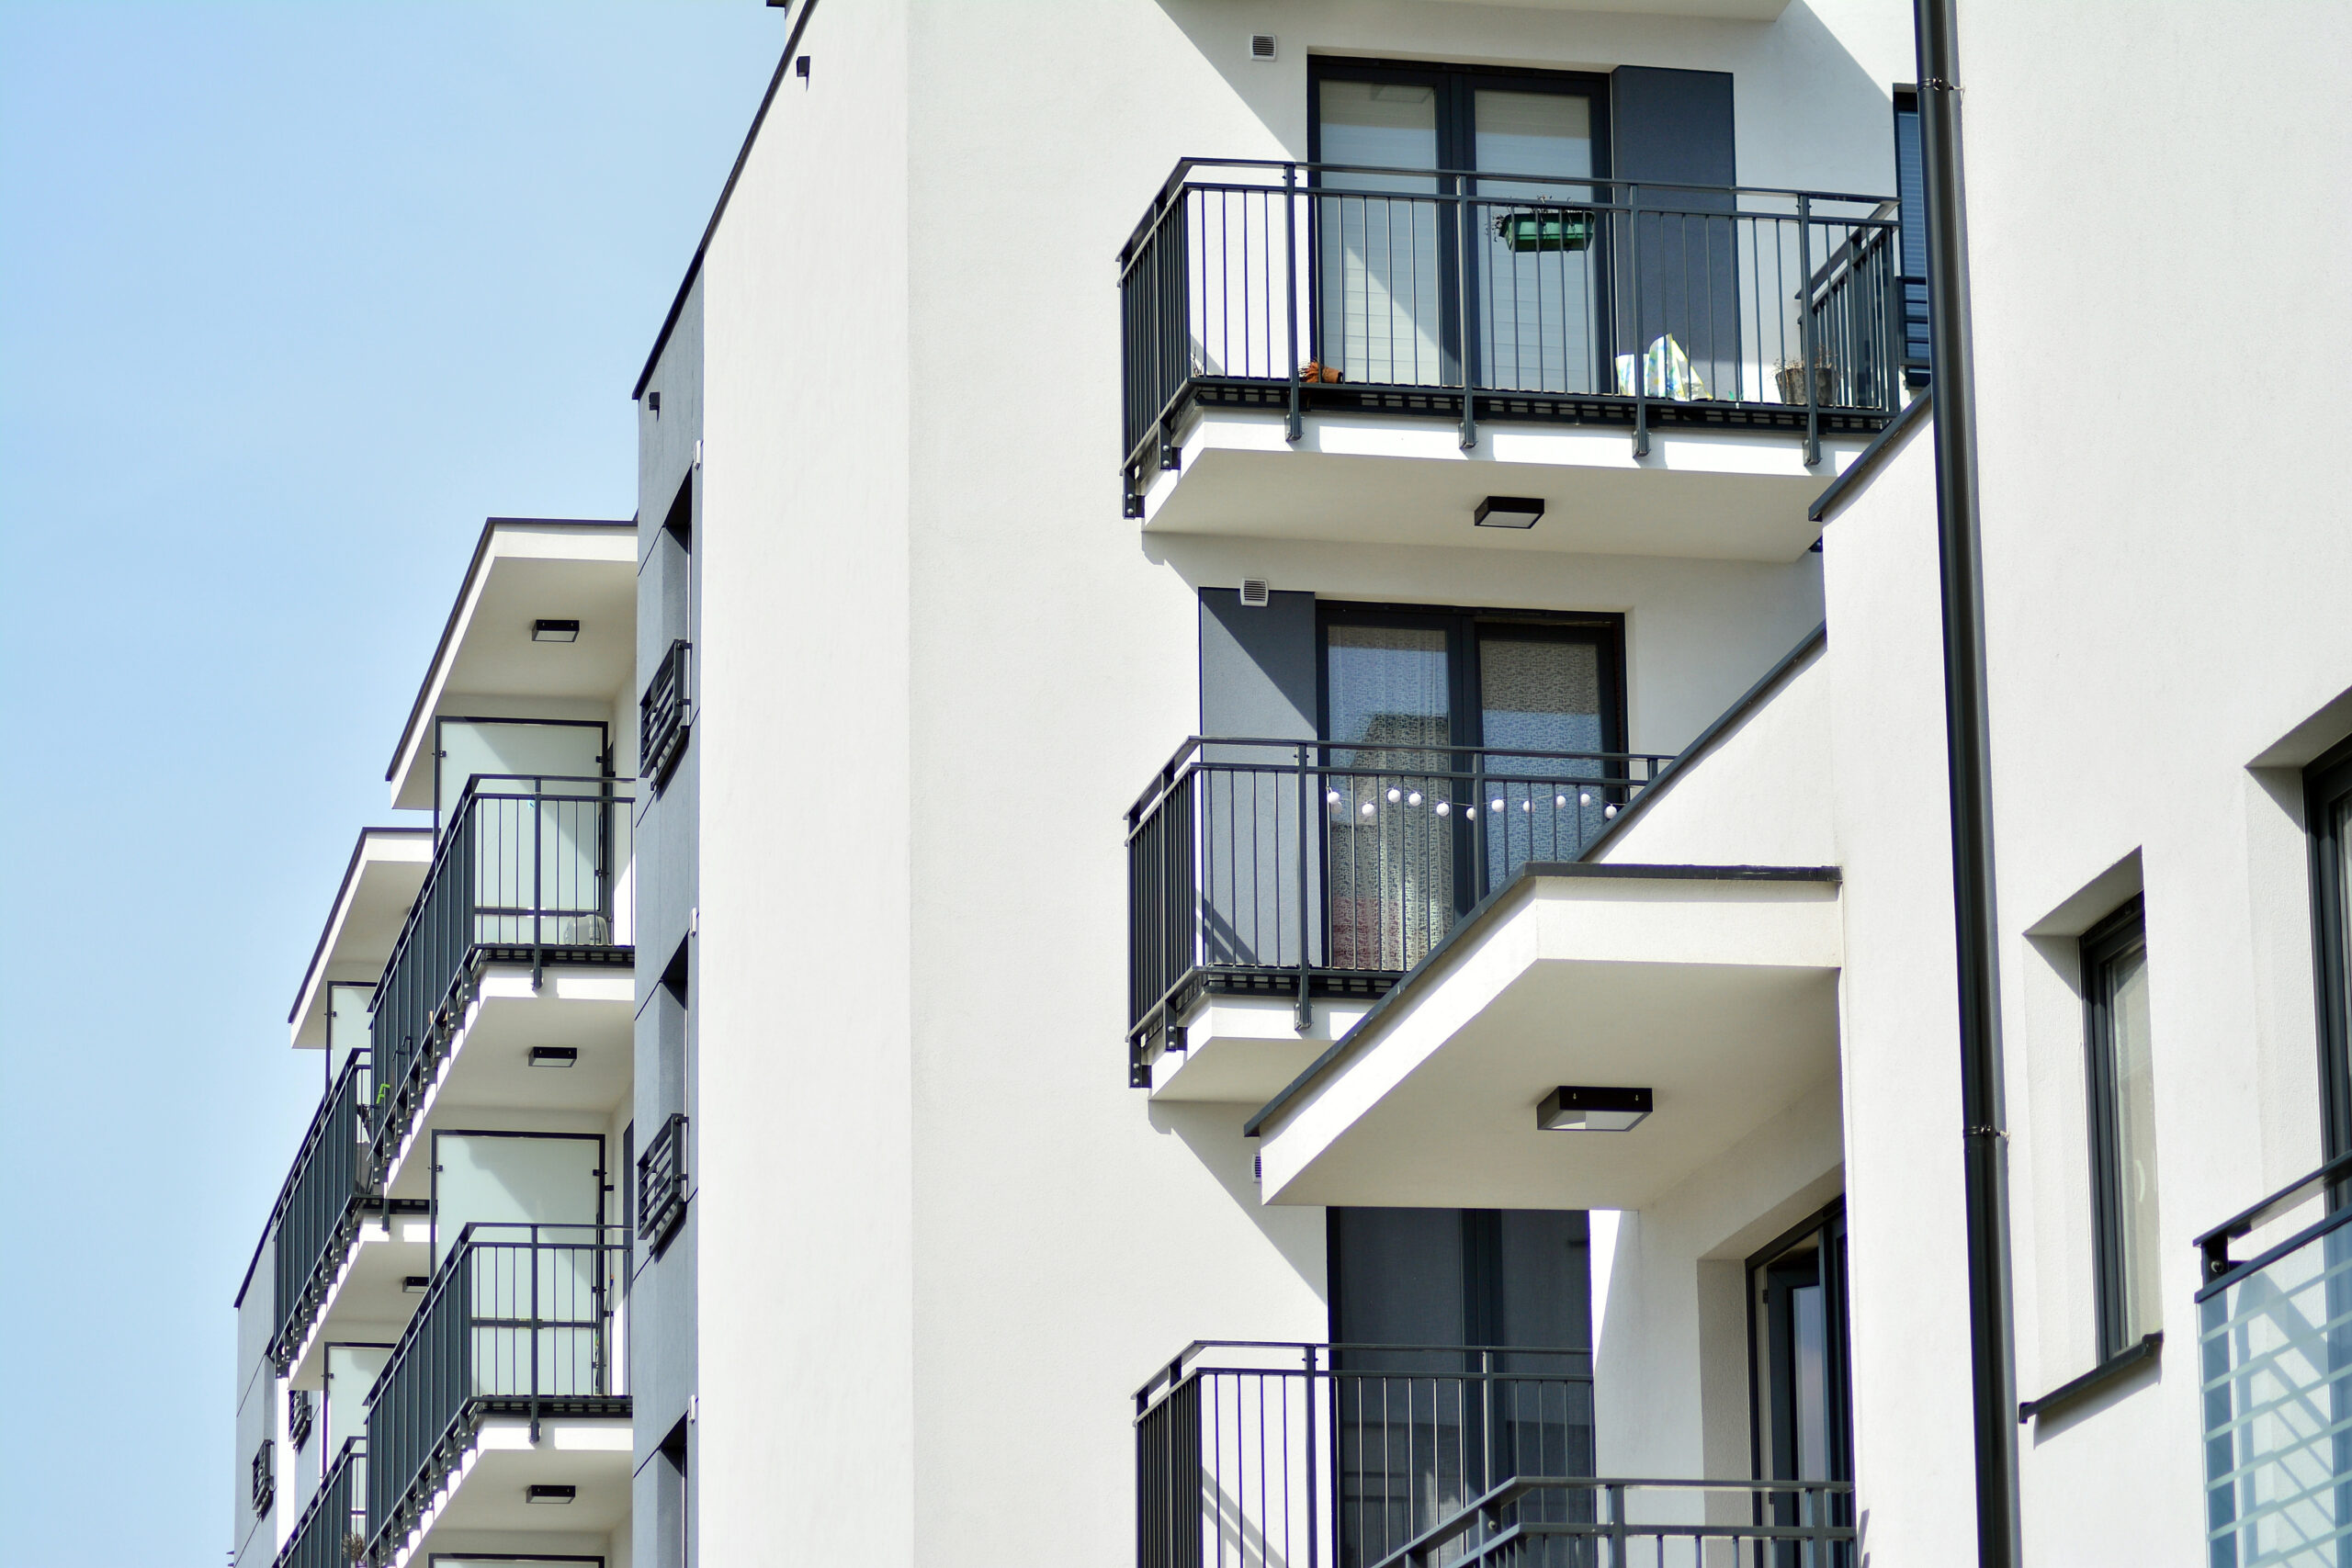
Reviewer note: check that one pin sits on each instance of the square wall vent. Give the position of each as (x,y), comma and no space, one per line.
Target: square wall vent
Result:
(1261,46)
(1255,594)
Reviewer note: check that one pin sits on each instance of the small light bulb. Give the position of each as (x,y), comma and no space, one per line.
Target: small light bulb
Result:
(1584,797)
(1365,808)
(1527,805)
(1444,808)
(1394,795)
(1471,812)
(1331,797)
(1559,800)
(1414,798)
(1497,804)
(1609,810)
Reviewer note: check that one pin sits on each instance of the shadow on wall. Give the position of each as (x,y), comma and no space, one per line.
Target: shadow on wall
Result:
(1785,150)
(1213,1134)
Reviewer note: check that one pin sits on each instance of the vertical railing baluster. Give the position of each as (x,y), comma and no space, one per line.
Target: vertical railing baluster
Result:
(1808,332)
(1296,426)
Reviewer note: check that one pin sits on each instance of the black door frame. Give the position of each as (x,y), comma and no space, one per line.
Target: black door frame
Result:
(1456,87)
(1827,1229)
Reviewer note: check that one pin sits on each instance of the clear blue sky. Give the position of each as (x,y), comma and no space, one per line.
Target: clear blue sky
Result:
(291,297)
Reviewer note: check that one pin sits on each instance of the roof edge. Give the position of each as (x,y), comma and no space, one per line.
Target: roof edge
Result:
(489,526)
(335,904)
(1484,914)
(702,246)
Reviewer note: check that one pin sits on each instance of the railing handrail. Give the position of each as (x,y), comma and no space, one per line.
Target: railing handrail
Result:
(1505,1494)
(606,1238)
(1179,179)
(1185,760)
(355,1061)
(1185,1363)
(2214,1244)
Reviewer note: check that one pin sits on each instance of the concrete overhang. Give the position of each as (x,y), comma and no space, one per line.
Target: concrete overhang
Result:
(526,569)
(1720,10)
(1713,987)
(488,1496)
(388,866)
(1356,479)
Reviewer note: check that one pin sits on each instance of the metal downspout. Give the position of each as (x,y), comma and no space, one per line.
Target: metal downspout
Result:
(1967,732)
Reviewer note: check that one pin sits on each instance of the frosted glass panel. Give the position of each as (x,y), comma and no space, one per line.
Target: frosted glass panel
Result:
(1540,696)
(482,1178)
(348,1019)
(351,1371)
(471,747)
(1382,297)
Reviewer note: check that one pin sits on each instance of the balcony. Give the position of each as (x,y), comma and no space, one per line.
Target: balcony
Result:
(1676,370)
(509,1378)
(1265,876)
(1401,1456)
(2278,1381)
(318,1213)
(529,873)
(336,1518)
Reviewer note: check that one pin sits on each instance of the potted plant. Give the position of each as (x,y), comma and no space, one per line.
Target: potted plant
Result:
(1538,228)
(1790,375)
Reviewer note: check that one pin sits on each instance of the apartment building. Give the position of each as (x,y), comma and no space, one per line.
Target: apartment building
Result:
(1274,735)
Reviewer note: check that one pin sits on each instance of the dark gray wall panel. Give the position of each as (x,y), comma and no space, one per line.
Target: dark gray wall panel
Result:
(1257,665)
(1676,126)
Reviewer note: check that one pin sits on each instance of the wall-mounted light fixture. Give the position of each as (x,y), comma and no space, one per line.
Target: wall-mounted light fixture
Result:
(555,1055)
(1508,512)
(1575,1108)
(555,631)
(548,1494)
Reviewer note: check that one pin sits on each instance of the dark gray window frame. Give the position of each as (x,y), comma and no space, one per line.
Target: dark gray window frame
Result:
(2117,937)
(2327,783)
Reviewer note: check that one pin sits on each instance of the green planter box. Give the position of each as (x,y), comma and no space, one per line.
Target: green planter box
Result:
(1528,232)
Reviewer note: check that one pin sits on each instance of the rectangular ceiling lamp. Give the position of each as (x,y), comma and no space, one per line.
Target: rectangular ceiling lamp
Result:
(1574,1108)
(554,1056)
(1508,512)
(555,631)
(545,1493)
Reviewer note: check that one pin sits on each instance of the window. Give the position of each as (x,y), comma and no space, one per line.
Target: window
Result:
(1799,1374)
(2327,787)
(2121,1095)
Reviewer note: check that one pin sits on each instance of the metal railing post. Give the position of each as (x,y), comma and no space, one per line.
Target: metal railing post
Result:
(1297,427)
(1305,1015)
(1314,1525)
(538,900)
(1612,1494)
(1806,332)
(531,1335)
(1461,306)
(1640,376)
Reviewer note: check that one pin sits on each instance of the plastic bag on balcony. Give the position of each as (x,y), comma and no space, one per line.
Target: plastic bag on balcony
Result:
(1666,373)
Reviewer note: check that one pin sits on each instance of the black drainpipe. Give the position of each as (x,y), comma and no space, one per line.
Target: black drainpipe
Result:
(1966,726)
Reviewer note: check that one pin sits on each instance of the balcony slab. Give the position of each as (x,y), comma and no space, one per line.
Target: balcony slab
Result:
(368,1304)
(482,1509)
(1715,987)
(1243,1050)
(1715,495)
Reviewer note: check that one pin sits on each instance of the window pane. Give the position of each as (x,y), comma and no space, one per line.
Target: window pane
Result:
(2135,1117)
(1388,804)
(1533,243)
(1539,695)
(1381,302)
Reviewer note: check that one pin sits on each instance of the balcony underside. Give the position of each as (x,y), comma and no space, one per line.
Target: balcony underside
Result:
(1715,987)
(1386,465)
(583,1443)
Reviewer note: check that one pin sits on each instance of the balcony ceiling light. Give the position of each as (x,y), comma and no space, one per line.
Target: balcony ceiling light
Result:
(1574,1108)
(555,631)
(414,1283)
(1508,512)
(555,1055)
(547,1494)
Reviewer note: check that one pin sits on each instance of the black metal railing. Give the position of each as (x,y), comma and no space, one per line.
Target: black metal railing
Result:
(331,1532)
(663,715)
(300,1413)
(1299,868)
(319,1210)
(517,1320)
(1557,1521)
(1248,1452)
(526,871)
(265,1477)
(1303,286)
(2275,1352)
(661,1184)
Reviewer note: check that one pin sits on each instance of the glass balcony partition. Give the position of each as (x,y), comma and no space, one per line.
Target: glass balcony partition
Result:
(528,870)
(1305,868)
(2274,1351)
(1529,295)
